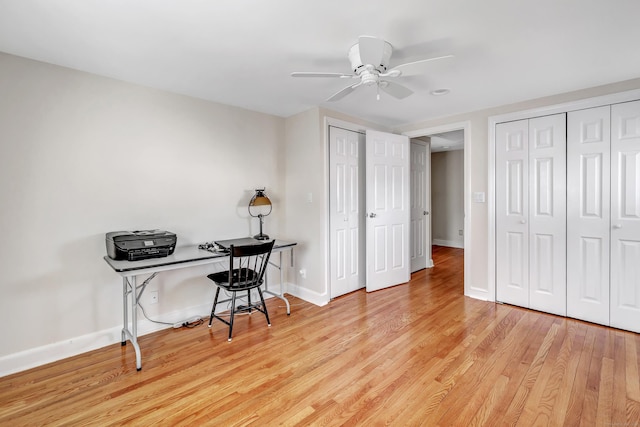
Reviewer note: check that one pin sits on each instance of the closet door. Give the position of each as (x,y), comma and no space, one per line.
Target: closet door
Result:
(512,213)
(346,175)
(547,214)
(625,216)
(588,210)
(531,213)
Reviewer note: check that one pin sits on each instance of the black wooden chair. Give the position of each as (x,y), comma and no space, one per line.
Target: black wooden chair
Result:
(247,267)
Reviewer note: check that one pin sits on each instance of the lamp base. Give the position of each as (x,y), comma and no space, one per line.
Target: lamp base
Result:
(261,237)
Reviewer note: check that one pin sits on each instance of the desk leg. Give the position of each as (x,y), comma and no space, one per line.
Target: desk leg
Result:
(125,310)
(129,287)
(281,294)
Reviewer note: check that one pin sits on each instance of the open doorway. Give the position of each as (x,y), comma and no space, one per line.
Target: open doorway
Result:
(455,137)
(447,189)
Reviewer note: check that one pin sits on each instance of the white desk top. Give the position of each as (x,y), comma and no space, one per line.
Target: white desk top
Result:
(182,257)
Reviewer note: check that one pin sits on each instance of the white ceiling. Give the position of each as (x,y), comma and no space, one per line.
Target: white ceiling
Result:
(241,52)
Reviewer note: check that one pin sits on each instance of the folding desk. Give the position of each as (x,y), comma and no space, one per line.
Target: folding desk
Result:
(182,257)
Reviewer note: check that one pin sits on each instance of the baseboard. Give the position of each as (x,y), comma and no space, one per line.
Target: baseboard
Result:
(307,295)
(478,293)
(448,243)
(39,356)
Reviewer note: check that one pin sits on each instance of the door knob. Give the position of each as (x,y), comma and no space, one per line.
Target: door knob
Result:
(425,213)
(372,215)
(523,221)
(617,226)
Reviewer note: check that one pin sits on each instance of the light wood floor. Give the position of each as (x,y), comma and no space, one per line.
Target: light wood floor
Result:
(416,354)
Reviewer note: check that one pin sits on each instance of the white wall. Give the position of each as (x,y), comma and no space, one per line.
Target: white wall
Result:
(81,155)
(447,198)
(476,254)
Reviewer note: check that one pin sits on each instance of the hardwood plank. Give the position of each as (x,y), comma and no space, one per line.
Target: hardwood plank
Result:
(631,359)
(416,354)
(605,393)
(579,387)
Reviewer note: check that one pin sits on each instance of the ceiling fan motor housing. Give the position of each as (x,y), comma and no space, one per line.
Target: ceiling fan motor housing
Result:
(358,67)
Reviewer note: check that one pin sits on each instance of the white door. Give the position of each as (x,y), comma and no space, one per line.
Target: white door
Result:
(512,213)
(625,216)
(588,210)
(548,214)
(531,213)
(420,232)
(387,172)
(346,176)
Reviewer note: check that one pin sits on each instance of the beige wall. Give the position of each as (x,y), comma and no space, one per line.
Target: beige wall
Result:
(476,255)
(81,155)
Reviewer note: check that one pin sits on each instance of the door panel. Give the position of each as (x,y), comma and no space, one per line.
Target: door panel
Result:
(588,210)
(547,214)
(387,171)
(346,211)
(625,216)
(512,204)
(420,231)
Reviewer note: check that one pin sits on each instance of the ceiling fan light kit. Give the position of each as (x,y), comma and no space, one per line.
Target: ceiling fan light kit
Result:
(440,92)
(369,60)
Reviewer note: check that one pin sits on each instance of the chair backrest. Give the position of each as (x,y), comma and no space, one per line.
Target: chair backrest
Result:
(248,264)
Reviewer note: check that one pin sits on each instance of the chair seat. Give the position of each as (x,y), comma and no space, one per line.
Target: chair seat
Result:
(242,279)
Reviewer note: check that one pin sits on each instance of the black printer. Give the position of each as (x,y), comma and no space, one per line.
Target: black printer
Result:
(142,244)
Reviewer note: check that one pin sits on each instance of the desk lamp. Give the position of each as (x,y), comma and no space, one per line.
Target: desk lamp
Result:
(260,206)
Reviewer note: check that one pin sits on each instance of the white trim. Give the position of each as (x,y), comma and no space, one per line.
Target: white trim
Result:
(581,104)
(53,352)
(565,107)
(448,243)
(469,289)
(330,121)
(307,295)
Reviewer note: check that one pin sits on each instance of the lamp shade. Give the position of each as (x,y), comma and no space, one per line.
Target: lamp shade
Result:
(259,205)
(260,200)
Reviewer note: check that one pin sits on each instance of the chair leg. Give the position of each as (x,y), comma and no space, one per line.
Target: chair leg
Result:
(264,306)
(233,311)
(249,301)
(215,302)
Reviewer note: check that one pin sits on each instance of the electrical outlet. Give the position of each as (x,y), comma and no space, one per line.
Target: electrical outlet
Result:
(303,273)
(153,297)
(459,232)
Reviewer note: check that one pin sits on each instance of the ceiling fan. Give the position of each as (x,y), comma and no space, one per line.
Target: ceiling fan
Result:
(369,61)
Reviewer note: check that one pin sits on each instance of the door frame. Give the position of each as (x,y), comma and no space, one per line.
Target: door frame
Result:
(469,289)
(566,107)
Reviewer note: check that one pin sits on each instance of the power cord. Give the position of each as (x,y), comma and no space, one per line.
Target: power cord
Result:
(189,323)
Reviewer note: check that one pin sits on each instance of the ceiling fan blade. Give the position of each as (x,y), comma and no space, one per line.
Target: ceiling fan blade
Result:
(413,68)
(315,74)
(371,50)
(396,90)
(344,92)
